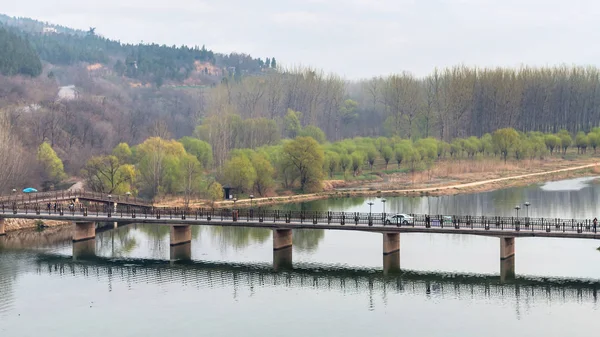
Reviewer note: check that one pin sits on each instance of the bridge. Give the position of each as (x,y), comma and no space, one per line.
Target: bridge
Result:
(77,196)
(203,274)
(507,229)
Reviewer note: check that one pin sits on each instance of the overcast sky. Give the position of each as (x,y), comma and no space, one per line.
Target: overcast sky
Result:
(355,38)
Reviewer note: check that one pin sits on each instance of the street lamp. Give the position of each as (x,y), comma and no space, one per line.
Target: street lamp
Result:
(370,205)
(383,200)
(251,197)
(527,204)
(517,208)
(109,203)
(127,198)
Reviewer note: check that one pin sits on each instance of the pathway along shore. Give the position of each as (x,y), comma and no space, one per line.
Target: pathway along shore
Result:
(449,189)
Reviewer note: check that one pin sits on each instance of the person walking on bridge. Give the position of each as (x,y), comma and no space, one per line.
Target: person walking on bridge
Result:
(595,224)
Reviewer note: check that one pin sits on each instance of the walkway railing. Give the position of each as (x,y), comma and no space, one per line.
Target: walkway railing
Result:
(56,196)
(307,218)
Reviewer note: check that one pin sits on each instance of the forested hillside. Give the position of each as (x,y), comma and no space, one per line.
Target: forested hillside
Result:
(229,105)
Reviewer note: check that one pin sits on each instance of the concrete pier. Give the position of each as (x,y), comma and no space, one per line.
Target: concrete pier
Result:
(84,231)
(507,247)
(282,238)
(391,263)
(391,243)
(181,252)
(282,259)
(507,269)
(2,227)
(181,235)
(84,249)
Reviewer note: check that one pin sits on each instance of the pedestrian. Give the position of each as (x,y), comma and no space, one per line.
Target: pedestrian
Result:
(55,206)
(49,206)
(595,224)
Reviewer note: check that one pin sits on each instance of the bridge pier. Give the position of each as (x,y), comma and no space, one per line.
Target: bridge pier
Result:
(84,249)
(507,247)
(2,227)
(181,235)
(282,259)
(507,269)
(282,238)
(391,253)
(391,263)
(84,231)
(181,252)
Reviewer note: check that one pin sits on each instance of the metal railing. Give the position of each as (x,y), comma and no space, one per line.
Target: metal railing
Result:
(56,196)
(258,216)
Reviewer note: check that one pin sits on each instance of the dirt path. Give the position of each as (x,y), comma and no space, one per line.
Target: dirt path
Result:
(438,189)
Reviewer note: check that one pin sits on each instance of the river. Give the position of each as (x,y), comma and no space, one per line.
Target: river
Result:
(449,285)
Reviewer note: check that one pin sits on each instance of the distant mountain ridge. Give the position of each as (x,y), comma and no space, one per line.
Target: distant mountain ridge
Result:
(144,62)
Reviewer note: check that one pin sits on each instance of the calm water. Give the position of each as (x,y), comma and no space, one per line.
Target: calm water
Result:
(449,285)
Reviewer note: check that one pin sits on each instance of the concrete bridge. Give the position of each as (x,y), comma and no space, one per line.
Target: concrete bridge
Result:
(284,222)
(202,274)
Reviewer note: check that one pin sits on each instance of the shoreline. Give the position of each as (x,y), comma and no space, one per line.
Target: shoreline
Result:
(437,190)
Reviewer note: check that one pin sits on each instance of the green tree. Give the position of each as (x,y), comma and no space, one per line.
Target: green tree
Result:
(594,140)
(159,169)
(552,142)
(387,153)
(201,149)
(191,171)
(214,192)
(107,175)
(371,157)
(239,173)
(505,141)
(264,173)
(123,153)
(345,163)
(332,162)
(581,141)
(358,159)
(565,140)
(306,156)
(292,123)
(53,171)
(314,132)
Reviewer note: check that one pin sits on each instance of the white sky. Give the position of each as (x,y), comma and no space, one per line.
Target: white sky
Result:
(354,38)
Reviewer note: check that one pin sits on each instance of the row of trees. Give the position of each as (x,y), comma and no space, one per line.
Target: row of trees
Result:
(17,57)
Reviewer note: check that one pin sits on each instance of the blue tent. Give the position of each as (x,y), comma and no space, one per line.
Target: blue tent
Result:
(29,190)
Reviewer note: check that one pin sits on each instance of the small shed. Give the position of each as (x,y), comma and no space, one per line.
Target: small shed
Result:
(228,192)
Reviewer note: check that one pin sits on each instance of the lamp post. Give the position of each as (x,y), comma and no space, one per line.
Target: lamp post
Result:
(109,202)
(370,205)
(383,201)
(251,197)
(527,204)
(517,208)
(127,198)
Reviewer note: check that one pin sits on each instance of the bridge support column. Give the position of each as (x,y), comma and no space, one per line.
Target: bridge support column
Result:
(84,231)
(507,247)
(84,249)
(181,235)
(391,263)
(181,252)
(282,259)
(507,269)
(391,243)
(282,238)
(2,227)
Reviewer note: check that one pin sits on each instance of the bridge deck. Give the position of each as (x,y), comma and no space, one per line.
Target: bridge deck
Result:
(485,226)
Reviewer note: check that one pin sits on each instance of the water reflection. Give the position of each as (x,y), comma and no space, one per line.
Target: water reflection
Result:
(202,274)
(573,198)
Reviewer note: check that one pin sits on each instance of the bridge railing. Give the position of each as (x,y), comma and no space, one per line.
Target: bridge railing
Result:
(308,218)
(56,196)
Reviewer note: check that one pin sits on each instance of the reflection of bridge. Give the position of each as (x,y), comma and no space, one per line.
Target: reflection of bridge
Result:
(42,198)
(217,274)
(282,223)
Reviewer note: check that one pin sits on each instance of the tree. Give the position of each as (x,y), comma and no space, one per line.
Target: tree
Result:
(565,140)
(191,172)
(239,173)
(358,159)
(273,63)
(201,149)
(214,192)
(123,153)
(306,156)
(159,169)
(264,173)
(292,123)
(314,132)
(106,174)
(345,163)
(387,153)
(505,140)
(581,141)
(594,140)
(332,162)
(371,157)
(552,142)
(53,171)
